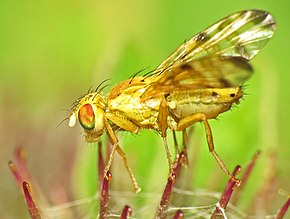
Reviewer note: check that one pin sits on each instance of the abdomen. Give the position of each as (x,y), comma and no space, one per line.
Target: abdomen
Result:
(210,101)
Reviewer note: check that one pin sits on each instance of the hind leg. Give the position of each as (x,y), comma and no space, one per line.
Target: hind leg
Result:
(201,117)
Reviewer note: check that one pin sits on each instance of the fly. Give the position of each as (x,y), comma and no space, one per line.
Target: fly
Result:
(200,80)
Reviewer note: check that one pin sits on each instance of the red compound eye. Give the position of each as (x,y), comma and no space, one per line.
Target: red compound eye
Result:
(87,117)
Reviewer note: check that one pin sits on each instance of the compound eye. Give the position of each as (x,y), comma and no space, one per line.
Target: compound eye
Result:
(87,117)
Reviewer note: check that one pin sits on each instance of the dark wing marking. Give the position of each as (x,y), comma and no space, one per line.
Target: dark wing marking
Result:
(216,57)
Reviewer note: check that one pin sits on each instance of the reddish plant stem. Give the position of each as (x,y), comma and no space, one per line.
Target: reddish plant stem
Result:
(250,167)
(245,176)
(223,202)
(34,213)
(104,196)
(236,171)
(20,172)
(177,164)
(20,160)
(22,177)
(282,211)
(163,206)
(15,172)
(127,211)
(178,215)
(101,164)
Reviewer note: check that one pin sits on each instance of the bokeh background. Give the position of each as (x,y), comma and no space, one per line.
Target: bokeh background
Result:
(52,52)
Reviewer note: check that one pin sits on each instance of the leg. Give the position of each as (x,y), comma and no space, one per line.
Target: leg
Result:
(201,117)
(186,140)
(184,149)
(162,117)
(125,160)
(162,122)
(114,141)
(168,158)
(110,160)
(101,164)
(175,146)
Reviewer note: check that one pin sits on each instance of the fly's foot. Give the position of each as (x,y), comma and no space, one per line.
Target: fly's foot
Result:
(237,181)
(108,175)
(172,176)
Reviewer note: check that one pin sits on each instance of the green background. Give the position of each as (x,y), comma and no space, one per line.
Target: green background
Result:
(52,52)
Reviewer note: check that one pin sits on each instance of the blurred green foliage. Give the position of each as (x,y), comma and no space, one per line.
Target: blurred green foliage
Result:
(51,52)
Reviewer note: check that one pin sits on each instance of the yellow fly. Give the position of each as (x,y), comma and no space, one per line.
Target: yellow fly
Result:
(199,80)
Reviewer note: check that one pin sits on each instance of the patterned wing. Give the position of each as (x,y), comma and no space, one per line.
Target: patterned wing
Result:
(216,57)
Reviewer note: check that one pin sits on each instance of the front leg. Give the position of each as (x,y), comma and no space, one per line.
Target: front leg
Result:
(201,117)
(122,121)
(114,141)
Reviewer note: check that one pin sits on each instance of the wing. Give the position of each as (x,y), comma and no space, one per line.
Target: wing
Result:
(216,57)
